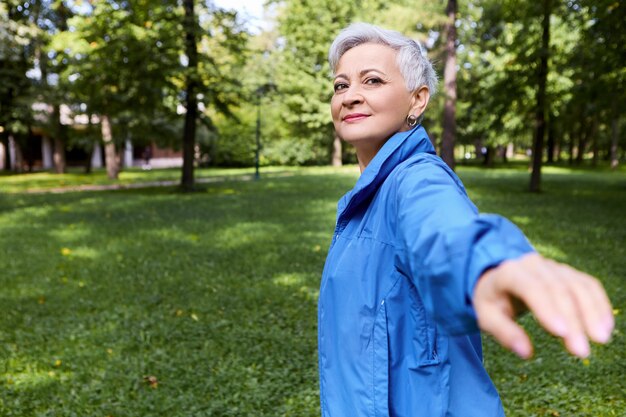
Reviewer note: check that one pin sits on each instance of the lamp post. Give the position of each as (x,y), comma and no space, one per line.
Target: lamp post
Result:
(257,175)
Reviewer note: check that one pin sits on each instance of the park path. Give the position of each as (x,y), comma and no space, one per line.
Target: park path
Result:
(150,184)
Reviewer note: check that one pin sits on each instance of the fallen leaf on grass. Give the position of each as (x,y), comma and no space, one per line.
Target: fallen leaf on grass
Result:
(152,381)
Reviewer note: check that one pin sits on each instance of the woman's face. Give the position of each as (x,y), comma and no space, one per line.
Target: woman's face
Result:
(371,101)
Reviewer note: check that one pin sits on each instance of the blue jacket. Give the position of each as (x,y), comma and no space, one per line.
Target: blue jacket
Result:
(397,331)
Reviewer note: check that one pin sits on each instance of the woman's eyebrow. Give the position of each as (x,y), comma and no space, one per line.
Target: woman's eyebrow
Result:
(365,71)
(361,73)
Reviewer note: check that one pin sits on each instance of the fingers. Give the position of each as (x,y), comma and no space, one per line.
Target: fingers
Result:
(499,323)
(590,297)
(566,302)
(549,296)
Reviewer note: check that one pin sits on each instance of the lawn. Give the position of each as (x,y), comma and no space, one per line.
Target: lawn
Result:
(149,302)
(76,178)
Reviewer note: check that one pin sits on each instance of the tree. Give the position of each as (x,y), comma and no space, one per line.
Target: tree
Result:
(600,67)
(540,112)
(191,101)
(17,33)
(212,77)
(505,89)
(449,87)
(122,57)
(54,20)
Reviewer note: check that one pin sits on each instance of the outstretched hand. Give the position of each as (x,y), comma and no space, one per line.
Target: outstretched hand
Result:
(567,303)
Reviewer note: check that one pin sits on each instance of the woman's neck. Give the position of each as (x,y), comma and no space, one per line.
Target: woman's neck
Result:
(365,154)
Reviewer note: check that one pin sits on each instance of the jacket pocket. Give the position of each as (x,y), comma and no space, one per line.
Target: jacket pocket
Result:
(380,368)
(424,334)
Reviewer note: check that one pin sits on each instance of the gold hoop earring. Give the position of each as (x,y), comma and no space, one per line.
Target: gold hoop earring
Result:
(411,120)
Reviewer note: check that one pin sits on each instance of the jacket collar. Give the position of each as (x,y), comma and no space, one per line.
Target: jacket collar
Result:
(396,150)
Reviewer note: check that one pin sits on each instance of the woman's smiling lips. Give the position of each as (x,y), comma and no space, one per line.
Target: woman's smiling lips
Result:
(354,117)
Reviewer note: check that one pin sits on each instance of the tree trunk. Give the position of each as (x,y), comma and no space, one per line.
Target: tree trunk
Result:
(337,162)
(88,164)
(558,144)
(551,140)
(614,142)
(110,153)
(191,101)
(582,146)
(448,135)
(540,113)
(58,156)
(570,158)
(28,152)
(594,143)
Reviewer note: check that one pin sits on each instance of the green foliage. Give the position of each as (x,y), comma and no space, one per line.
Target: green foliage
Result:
(126,59)
(121,57)
(17,33)
(149,302)
(303,75)
(497,77)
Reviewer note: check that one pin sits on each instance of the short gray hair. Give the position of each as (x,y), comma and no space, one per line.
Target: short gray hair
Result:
(414,66)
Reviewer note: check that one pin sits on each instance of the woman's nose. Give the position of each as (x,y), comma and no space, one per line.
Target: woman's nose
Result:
(352,96)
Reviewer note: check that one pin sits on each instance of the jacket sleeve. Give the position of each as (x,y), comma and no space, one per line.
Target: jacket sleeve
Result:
(445,245)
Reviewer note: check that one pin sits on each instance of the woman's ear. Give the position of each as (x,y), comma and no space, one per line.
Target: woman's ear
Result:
(419,101)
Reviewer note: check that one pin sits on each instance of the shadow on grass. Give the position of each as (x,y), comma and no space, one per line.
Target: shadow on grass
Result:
(214,295)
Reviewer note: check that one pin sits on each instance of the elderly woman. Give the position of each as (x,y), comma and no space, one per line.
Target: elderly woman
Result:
(413,270)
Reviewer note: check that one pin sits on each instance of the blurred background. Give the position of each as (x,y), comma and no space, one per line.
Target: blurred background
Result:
(163,83)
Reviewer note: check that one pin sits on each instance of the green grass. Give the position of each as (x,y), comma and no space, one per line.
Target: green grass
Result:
(41,181)
(214,294)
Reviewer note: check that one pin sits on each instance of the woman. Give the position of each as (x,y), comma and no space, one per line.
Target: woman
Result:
(413,270)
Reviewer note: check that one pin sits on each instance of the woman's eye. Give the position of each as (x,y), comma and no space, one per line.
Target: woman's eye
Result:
(340,86)
(373,81)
